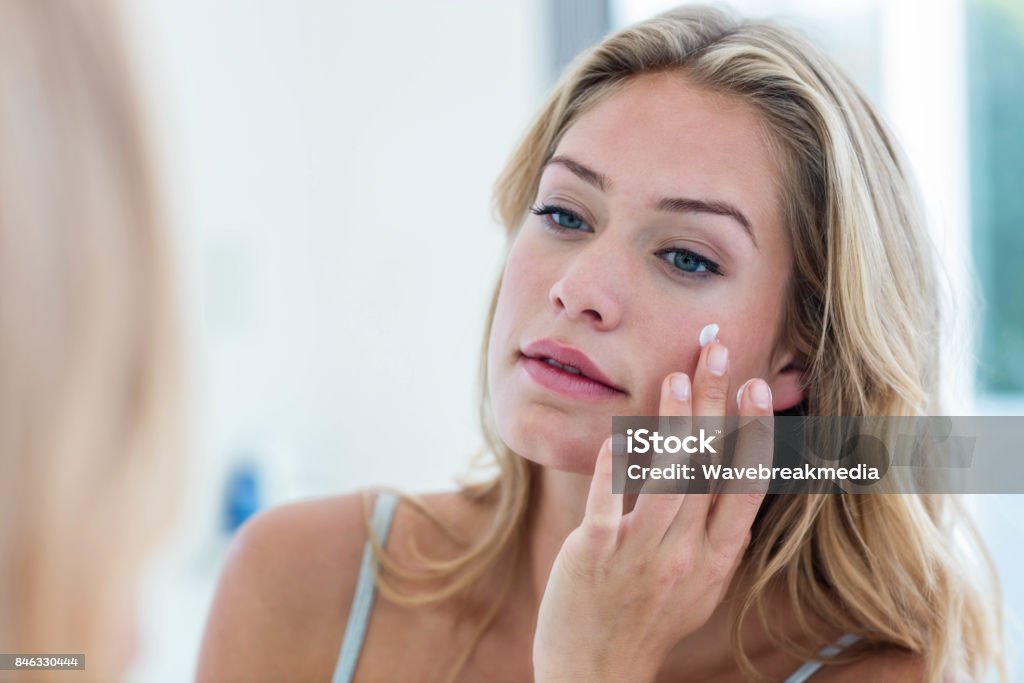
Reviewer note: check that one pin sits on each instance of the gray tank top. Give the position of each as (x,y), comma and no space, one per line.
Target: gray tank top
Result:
(362,605)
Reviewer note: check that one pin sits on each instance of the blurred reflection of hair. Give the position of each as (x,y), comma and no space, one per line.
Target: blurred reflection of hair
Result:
(89,366)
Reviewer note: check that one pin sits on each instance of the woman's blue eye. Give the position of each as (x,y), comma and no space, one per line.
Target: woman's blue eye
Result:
(689,262)
(559,218)
(685,261)
(567,220)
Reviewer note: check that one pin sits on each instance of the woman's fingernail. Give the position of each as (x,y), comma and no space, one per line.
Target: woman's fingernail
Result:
(718,359)
(761,394)
(680,386)
(739,393)
(708,334)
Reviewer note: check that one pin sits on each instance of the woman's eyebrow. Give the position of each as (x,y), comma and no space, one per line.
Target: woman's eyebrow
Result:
(720,208)
(677,204)
(585,174)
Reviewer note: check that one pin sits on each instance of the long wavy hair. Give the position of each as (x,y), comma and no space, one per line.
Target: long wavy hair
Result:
(898,570)
(90,372)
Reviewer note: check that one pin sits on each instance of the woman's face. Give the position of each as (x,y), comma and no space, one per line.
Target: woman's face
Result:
(660,215)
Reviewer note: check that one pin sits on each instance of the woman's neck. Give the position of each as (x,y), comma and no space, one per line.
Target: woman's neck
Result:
(557,502)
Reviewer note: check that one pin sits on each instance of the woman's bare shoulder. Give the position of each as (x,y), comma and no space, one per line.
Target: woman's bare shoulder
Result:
(286,569)
(288,582)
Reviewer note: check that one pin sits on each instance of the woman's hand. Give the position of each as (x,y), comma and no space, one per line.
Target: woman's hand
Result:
(625,588)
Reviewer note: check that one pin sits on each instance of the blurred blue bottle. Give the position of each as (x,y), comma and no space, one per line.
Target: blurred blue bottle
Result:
(242,494)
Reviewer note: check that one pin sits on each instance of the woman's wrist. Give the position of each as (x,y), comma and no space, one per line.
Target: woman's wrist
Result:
(591,669)
(603,676)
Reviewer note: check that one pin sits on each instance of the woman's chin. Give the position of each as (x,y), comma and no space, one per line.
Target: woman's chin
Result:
(548,434)
(557,451)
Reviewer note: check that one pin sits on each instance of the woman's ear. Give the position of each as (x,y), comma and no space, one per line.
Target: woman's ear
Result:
(788,384)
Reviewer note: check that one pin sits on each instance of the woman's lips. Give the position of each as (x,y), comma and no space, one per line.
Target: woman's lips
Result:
(566,370)
(564,382)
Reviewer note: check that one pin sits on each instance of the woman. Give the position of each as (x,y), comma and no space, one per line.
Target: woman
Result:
(89,367)
(690,170)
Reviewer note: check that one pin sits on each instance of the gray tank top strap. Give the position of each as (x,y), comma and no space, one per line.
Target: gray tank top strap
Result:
(362,601)
(827,652)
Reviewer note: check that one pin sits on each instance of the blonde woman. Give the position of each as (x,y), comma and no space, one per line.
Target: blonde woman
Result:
(690,170)
(89,368)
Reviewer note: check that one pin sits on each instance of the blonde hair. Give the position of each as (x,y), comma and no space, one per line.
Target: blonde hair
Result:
(887,567)
(89,355)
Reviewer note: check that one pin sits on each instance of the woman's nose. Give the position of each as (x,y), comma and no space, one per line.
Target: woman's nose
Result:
(592,286)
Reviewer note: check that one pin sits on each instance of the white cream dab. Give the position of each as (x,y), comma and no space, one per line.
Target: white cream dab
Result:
(708,334)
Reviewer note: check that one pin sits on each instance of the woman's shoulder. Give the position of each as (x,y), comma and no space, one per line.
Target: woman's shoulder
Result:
(289,577)
(325,537)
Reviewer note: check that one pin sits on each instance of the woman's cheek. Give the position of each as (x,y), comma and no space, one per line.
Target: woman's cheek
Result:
(520,289)
(681,356)
(527,271)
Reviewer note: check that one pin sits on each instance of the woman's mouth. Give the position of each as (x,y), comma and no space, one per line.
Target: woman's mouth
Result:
(566,370)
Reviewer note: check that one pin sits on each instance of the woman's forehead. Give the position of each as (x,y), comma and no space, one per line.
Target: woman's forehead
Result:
(661,136)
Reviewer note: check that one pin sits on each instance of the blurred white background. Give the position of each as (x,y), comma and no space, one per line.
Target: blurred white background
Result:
(328,169)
